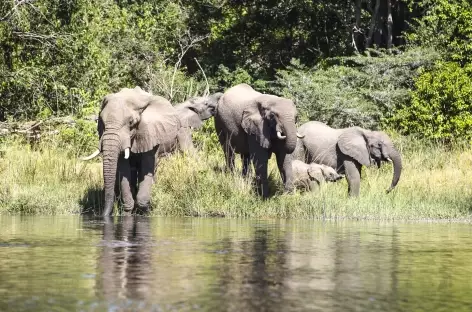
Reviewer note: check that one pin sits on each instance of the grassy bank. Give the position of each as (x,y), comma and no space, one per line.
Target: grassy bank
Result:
(435,184)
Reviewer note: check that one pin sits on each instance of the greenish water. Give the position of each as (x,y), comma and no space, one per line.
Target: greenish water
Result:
(194,264)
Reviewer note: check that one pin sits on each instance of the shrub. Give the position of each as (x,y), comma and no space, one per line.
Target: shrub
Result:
(441,104)
(353,91)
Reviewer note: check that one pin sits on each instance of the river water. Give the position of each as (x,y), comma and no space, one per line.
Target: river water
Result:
(196,264)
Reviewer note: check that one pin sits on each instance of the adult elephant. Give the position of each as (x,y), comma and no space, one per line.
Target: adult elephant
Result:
(256,125)
(134,127)
(192,113)
(347,150)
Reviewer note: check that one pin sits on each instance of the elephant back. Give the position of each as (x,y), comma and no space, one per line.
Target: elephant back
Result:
(320,143)
(229,114)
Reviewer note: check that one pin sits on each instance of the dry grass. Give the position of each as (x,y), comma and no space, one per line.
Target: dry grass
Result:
(435,184)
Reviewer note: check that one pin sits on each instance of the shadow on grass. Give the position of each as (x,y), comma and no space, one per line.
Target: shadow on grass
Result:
(275,184)
(92,201)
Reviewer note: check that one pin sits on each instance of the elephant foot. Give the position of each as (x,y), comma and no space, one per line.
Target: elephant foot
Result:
(127,212)
(142,210)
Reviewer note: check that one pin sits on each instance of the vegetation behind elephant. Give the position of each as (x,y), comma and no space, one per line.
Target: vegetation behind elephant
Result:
(135,121)
(256,125)
(311,176)
(192,114)
(347,150)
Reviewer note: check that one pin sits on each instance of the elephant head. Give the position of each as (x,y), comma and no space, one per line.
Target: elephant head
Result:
(271,118)
(131,120)
(194,111)
(320,173)
(367,147)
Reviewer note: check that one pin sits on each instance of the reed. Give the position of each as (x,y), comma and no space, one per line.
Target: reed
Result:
(435,184)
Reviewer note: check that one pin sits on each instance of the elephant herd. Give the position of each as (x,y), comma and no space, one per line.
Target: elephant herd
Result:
(135,128)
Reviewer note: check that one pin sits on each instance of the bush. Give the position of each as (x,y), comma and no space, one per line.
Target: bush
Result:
(353,91)
(441,106)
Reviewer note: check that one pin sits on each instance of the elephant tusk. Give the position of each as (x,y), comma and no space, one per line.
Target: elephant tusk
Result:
(127,153)
(300,136)
(389,159)
(280,136)
(92,156)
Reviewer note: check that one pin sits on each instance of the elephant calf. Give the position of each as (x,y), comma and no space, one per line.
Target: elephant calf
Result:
(310,176)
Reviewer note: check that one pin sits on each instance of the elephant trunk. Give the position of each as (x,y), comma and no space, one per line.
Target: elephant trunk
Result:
(110,150)
(290,132)
(397,168)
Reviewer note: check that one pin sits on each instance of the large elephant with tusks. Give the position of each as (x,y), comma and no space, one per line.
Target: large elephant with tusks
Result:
(134,126)
(256,125)
(347,150)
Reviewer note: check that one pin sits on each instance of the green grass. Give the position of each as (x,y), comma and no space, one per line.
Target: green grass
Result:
(435,184)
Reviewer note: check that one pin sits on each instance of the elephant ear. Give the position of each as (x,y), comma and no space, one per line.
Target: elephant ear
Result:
(254,124)
(159,124)
(352,143)
(189,118)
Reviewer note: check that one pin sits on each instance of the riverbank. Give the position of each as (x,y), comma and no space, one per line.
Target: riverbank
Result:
(435,184)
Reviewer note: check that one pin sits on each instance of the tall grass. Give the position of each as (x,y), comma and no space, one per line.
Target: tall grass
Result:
(435,184)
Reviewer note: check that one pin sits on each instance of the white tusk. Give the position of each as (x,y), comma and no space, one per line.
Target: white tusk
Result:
(280,136)
(388,159)
(92,156)
(127,153)
(300,136)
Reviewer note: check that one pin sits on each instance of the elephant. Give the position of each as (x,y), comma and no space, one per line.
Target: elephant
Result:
(310,176)
(347,150)
(255,125)
(134,128)
(192,113)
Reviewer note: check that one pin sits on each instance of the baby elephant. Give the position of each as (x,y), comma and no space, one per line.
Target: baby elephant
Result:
(310,176)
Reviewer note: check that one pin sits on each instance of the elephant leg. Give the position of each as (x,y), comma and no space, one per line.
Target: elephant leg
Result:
(353,176)
(134,163)
(284,163)
(145,179)
(124,175)
(229,156)
(184,137)
(260,158)
(246,160)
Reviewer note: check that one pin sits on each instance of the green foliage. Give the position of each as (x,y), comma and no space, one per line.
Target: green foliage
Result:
(441,106)
(62,57)
(359,90)
(206,138)
(447,27)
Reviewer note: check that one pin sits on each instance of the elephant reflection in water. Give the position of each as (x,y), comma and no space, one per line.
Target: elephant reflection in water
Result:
(255,281)
(125,263)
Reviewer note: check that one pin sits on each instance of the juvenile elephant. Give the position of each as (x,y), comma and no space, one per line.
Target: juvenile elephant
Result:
(192,113)
(310,176)
(134,127)
(347,150)
(256,125)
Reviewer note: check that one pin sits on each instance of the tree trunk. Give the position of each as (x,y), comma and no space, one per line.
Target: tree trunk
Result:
(356,32)
(389,24)
(373,24)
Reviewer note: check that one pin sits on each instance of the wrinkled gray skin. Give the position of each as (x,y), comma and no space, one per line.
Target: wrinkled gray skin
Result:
(247,122)
(310,176)
(192,113)
(347,150)
(147,125)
